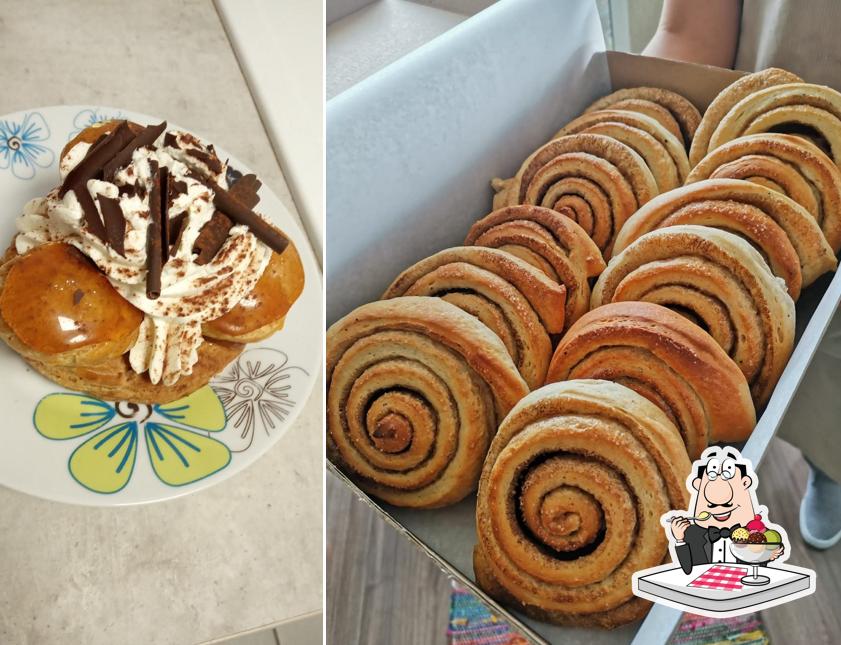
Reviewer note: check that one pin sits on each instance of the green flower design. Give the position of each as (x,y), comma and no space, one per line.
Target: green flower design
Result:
(104,463)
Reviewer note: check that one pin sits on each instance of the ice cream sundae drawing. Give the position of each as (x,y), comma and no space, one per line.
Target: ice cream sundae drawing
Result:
(727,557)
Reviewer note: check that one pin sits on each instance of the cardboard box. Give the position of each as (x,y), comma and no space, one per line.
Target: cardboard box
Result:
(410,152)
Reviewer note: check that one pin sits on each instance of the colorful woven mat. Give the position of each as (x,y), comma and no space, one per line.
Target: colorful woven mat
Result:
(472,624)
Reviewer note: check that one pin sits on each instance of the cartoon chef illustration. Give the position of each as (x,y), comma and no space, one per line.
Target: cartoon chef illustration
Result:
(724,510)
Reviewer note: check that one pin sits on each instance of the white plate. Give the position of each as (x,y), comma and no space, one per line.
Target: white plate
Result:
(150,453)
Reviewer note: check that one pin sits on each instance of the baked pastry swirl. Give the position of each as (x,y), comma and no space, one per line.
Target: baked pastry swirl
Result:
(675,112)
(757,213)
(570,499)
(141,252)
(595,180)
(814,111)
(416,388)
(517,301)
(548,241)
(788,164)
(662,151)
(668,360)
(727,99)
(717,280)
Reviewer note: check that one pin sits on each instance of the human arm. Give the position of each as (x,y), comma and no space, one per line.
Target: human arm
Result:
(698,32)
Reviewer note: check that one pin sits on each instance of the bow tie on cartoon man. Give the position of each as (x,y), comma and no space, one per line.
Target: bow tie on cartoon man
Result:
(723,503)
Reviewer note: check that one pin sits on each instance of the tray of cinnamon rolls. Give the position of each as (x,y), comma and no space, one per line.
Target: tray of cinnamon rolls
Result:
(632,293)
(154,298)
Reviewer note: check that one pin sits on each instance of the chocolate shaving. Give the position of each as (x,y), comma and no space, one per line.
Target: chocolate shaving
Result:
(154,265)
(170,140)
(240,214)
(92,219)
(164,198)
(176,188)
(176,227)
(98,155)
(245,190)
(211,161)
(146,137)
(211,237)
(213,234)
(115,223)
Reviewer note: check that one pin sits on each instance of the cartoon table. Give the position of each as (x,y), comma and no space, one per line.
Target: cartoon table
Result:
(716,587)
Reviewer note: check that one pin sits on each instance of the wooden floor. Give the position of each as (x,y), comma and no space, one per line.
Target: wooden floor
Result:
(382,590)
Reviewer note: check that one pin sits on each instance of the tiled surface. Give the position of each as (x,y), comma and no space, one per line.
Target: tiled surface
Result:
(240,555)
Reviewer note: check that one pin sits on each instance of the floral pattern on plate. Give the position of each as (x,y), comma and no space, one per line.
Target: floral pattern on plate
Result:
(21,145)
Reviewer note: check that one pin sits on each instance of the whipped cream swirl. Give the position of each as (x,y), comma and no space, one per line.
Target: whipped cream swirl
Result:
(191,293)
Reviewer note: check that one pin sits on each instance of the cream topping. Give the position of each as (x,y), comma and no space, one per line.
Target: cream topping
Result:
(170,335)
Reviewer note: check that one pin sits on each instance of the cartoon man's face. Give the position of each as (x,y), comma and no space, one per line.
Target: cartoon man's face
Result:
(723,491)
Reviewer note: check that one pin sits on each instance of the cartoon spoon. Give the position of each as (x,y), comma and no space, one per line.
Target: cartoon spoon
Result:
(703,515)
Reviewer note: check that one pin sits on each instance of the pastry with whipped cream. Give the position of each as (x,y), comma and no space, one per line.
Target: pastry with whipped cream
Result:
(145,271)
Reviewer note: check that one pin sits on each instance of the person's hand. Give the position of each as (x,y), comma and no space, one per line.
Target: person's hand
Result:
(776,554)
(679,526)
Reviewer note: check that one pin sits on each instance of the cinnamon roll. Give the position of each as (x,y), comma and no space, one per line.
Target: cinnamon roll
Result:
(593,179)
(513,298)
(667,359)
(718,281)
(548,241)
(727,99)
(812,110)
(680,109)
(722,204)
(790,165)
(416,388)
(569,502)
(662,151)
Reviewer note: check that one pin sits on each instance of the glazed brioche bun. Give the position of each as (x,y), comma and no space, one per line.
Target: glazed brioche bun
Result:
(57,308)
(263,312)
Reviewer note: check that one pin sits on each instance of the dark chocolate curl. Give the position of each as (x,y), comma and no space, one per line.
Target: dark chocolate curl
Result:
(154,264)
(92,219)
(115,223)
(230,206)
(164,199)
(211,237)
(176,226)
(245,190)
(122,158)
(98,155)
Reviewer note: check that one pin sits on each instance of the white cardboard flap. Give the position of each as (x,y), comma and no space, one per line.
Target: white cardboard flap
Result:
(411,150)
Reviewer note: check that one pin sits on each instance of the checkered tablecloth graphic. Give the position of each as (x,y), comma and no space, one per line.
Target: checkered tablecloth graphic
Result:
(720,577)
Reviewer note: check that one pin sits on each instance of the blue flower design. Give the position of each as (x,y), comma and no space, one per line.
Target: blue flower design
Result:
(91,116)
(21,148)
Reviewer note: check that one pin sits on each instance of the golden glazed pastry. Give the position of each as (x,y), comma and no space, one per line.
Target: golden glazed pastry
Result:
(668,360)
(640,99)
(593,179)
(751,210)
(727,99)
(548,241)
(570,501)
(514,299)
(416,388)
(814,111)
(116,275)
(263,311)
(717,280)
(788,164)
(663,151)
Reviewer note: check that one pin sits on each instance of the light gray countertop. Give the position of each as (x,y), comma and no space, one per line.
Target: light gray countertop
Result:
(245,553)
